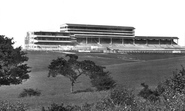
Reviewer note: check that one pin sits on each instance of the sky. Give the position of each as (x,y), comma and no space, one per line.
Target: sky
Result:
(149,17)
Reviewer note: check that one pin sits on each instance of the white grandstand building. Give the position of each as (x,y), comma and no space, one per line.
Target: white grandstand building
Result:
(99,38)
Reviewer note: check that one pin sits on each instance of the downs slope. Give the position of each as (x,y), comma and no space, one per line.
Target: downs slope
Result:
(151,72)
(127,69)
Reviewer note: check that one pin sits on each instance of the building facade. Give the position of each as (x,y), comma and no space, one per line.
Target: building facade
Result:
(96,37)
(99,34)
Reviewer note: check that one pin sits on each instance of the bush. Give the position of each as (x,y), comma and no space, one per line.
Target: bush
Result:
(176,83)
(167,102)
(7,106)
(30,92)
(122,96)
(170,94)
(146,93)
(62,107)
(119,99)
(104,82)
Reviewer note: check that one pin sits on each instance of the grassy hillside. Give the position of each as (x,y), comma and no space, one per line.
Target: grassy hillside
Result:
(126,69)
(151,72)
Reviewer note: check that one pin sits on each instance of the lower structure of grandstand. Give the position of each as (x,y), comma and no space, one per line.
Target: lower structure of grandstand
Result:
(100,38)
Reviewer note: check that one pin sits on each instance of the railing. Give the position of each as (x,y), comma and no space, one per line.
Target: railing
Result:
(103,33)
(54,41)
(52,36)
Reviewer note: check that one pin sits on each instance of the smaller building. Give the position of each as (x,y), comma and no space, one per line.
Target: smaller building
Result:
(44,40)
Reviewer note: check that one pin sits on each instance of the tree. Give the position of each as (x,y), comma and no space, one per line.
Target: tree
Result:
(73,69)
(66,68)
(13,69)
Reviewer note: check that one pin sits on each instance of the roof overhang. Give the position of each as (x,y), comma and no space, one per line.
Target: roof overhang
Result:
(155,37)
(102,26)
(103,36)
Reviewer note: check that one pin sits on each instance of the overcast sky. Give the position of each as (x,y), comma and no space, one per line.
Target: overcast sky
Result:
(149,17)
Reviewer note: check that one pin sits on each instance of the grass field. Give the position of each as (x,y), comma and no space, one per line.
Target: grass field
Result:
(126,69)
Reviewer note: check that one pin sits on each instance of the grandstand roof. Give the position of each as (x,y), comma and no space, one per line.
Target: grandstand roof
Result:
(99,26)
(155,37)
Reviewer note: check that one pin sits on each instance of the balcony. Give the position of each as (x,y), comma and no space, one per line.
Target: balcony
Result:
(52,36)
(100,33)
(55,41)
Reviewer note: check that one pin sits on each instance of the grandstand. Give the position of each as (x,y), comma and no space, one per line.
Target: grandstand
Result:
(100,38)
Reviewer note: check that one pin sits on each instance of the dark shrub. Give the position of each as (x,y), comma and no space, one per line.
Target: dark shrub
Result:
(119,99)
(16,106)
(62,107)
(146,93)
(30,92)
(122,96)
(104,82)
(104,105)
(87,107)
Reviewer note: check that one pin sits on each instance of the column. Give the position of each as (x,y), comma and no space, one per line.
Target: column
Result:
(133,41)
(147,42)
(122,41)
(111,40)
(86,40)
